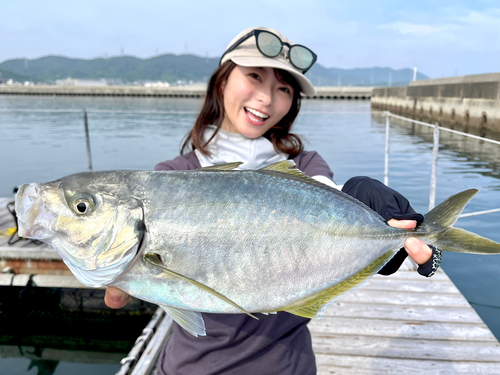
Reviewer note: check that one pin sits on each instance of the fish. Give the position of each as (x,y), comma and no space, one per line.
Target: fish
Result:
(222,240)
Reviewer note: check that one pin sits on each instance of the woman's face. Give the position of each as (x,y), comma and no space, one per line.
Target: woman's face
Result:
(254,101)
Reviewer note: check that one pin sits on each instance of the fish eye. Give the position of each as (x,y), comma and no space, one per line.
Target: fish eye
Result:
(83,205)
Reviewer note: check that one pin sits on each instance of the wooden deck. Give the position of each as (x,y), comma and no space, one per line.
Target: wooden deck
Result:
(403,323)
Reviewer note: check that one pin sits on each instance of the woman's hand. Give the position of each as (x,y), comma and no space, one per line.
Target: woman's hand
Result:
(416,249)
(115,298)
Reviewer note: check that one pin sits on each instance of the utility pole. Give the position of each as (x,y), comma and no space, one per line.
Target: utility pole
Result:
(415,73)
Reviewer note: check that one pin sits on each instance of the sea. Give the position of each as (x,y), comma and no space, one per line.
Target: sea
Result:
(43,138)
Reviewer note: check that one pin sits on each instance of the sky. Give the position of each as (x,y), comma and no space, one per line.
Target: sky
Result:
(441,38)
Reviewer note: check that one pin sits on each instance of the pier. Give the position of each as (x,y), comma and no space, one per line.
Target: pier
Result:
(355,93)
(400,323)
(466,103)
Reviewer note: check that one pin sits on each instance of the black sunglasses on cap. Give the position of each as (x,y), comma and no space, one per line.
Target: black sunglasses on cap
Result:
(270,45)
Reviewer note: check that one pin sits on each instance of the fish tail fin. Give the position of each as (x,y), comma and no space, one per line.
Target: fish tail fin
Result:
(440,220)
(446,214)
(462,241)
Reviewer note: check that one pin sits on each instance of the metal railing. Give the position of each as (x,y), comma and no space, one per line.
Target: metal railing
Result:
(435,151)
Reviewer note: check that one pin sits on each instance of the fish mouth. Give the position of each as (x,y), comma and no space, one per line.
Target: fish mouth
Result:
(33,216)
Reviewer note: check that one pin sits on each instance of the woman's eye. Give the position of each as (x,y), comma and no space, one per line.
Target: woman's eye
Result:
(286,89)
(255,75)
(83,205)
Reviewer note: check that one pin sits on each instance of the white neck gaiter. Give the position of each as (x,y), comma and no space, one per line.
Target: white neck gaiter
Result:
(229,147)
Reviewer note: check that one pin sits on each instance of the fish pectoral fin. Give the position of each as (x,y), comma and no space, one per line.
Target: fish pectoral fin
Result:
(313,306)
(191,321)
(155,259)
(222,167)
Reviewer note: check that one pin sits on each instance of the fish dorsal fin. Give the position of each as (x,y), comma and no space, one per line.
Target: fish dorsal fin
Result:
(191,321)
(222,167)
(312,306)
(284,169)
(285,166)
(155,259)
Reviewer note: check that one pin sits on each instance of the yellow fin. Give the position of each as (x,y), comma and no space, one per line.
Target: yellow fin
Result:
(285,169)
(285,166)
(312,306)
(155,259)
(222,167)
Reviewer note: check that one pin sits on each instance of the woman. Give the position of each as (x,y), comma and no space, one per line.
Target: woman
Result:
(251,103)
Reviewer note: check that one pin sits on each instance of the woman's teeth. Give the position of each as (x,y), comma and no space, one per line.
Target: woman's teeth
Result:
(257,113)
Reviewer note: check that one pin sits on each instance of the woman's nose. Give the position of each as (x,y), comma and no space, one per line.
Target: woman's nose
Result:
(265,96)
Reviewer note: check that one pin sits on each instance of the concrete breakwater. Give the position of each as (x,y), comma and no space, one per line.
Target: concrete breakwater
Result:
(466,103)
(362,93)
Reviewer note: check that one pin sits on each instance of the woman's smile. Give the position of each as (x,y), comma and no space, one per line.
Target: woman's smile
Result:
(256,117)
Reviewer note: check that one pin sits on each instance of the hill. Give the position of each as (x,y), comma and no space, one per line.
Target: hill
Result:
(171,68)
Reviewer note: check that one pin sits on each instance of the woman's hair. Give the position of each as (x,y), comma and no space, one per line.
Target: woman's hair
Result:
(212,112)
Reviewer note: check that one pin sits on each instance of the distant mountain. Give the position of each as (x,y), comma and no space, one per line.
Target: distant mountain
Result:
(5,75)
(171,68)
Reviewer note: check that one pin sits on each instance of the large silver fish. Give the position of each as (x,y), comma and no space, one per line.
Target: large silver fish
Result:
(220,240)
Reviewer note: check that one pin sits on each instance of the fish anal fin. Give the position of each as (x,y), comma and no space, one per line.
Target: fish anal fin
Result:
(155,259)
(191,321)
(312,306)
(222,167)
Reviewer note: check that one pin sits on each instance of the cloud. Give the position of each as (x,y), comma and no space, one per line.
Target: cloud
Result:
(410,28)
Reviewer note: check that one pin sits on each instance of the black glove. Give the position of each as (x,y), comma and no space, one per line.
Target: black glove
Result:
(389,204)
(429,269)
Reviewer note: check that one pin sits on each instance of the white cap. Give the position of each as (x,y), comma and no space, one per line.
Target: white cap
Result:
(247,54)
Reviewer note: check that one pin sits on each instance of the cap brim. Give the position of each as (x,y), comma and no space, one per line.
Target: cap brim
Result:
(265,62)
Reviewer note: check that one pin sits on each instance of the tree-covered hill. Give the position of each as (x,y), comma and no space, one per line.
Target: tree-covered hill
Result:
(171,68)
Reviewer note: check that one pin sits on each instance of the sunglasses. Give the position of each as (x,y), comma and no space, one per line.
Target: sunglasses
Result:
(270,45)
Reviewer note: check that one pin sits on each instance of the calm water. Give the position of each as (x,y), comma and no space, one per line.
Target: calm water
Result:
(45,146)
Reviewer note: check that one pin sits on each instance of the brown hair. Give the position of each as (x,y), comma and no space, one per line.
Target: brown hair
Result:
(212,112)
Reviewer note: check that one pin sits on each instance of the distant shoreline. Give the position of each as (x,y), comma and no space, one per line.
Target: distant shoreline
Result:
(361,93)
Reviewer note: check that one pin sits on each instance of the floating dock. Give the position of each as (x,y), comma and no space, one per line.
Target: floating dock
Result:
(403,323)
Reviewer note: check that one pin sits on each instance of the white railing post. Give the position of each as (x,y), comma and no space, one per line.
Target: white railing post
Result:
(435,150)
(387,127)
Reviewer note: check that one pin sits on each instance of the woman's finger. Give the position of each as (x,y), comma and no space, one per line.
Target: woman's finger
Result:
(418,250)
(115,298)
(402,224)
